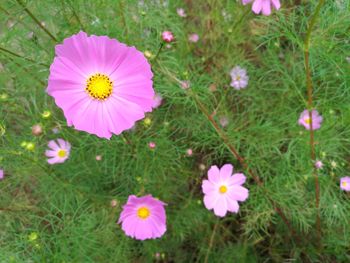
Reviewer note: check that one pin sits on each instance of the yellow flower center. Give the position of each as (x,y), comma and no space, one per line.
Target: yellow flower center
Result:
(223,189)
(99,86)
(344,184)
(62,153)
(308,121)
(143,212)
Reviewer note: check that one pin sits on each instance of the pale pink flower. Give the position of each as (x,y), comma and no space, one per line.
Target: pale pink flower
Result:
(167,36)
(318,164)
(185,84)
(143,217)
(193,38)
(114,203)
(345,183)
(189,152)
(2,174)
(157,100)
(152,145)
(102,85)
(239,78)
(98,157)
(223,190)
(304,119)
(181,12)
(263,6)
(37,130)
(223,121)
(58,151)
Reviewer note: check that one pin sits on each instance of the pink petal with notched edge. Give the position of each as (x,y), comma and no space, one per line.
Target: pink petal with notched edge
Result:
(208,187)
(213,174)
(220,208)
(238,193)
(226,172)
(276,4)
(257,6)
(237,179)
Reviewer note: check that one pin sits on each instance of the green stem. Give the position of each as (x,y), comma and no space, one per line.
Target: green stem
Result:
(37,21)
(20,56)
(211,241)
(310,106)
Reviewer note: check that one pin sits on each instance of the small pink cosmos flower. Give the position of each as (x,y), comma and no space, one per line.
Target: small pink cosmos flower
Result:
(223,190)
(102,85)
(167,36)
(185,84)
(58,151)
(2,174)
(157,101)
(304,119)
(37,130)
(223,121)
(318,164)
(345,183)
(152,145)
(143,217)
(239,78)
(98,157)
(193,38)
(189,152)
(181,12)
(263,6)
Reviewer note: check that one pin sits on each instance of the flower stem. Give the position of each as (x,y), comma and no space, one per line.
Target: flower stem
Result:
(159,50)
(20,56)
(211,241)
(310,106)
(36,20)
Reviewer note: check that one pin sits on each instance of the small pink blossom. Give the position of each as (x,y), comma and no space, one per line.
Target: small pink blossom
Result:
(304,119)
(167,36)
(58,151)
(345,183)
(37,130)
(263,6)
(114,203)
(223,190)
(152,145)
(189,152)
(193,38)
(185,84)
(143,217)
(223,121)
(98,157)
(318,165)
(2,174)
(157,101)
(181,12)
(239,78)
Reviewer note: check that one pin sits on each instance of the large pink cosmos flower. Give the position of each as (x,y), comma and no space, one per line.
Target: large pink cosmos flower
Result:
(58,151)
(223,190)
(263,6)
(102,85)
(143,217)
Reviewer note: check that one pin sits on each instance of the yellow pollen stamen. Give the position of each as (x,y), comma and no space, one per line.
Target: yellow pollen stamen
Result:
(307,121)
(99,86)
(143,212)
(344,184)
(223,189)
(62,153)
(238,77)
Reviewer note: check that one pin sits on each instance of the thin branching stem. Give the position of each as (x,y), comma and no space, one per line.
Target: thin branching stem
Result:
(37,21)
(310,107)
(211,241)
(5,50)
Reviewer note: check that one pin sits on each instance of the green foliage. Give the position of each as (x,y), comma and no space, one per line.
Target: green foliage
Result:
(68,206)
